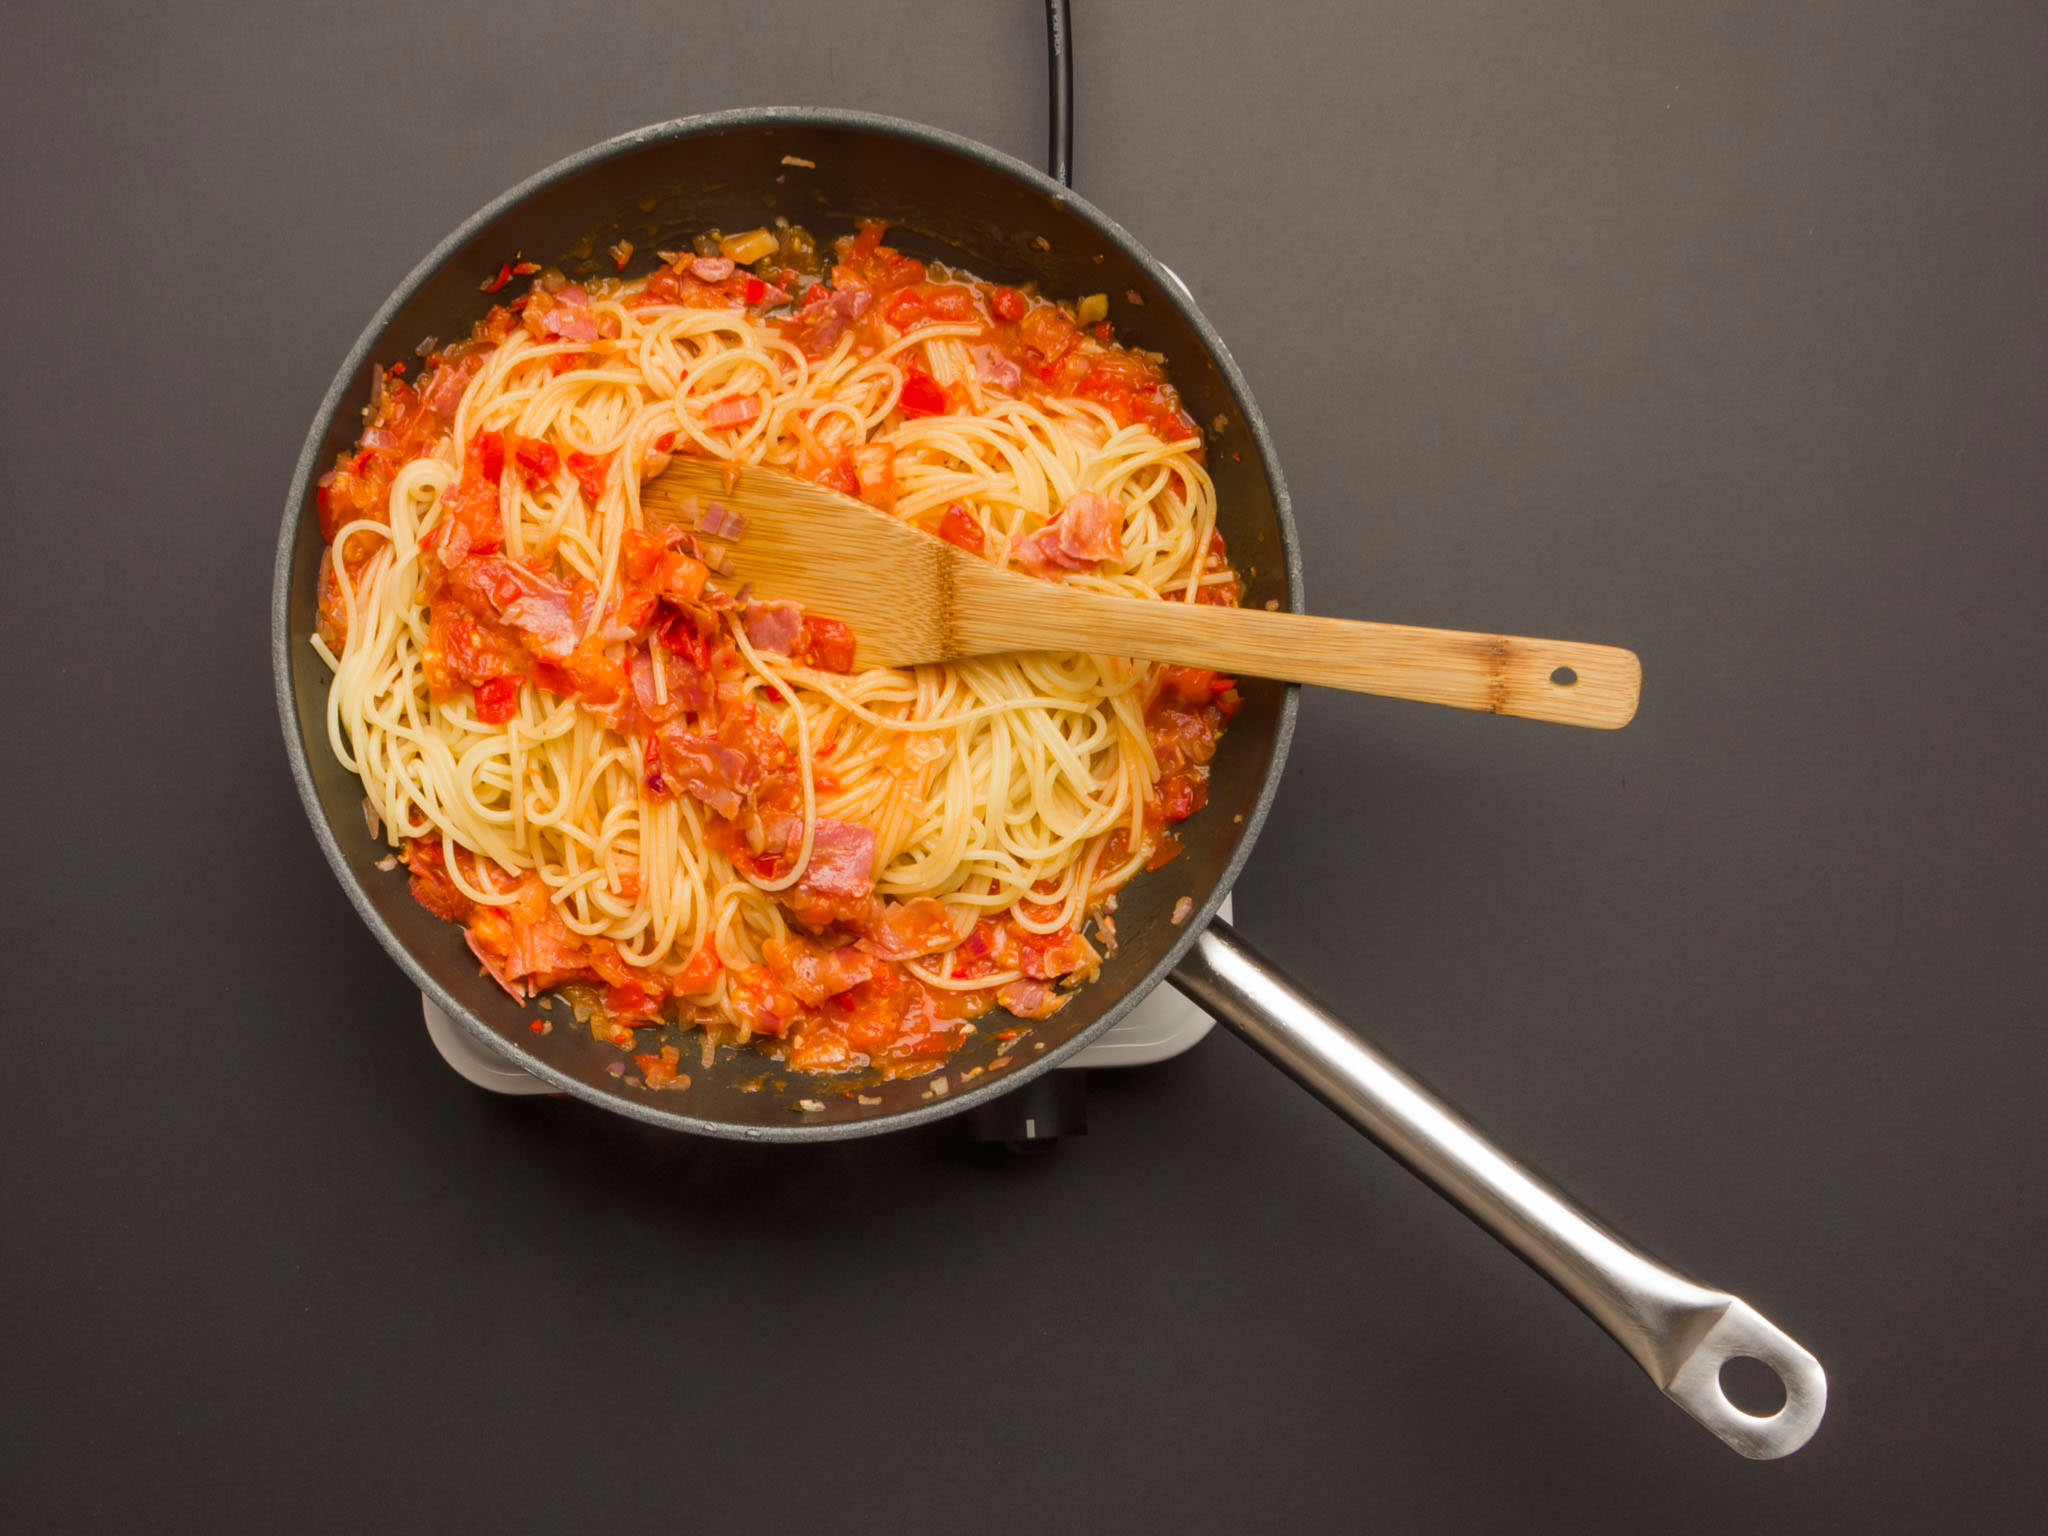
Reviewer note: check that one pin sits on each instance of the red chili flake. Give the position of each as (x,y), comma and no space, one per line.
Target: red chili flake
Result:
(540,1026)
(525,268)
(775,694)
(493,284)
(621,254)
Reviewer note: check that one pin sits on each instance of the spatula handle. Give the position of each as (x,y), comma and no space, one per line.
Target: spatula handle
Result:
(1565,681)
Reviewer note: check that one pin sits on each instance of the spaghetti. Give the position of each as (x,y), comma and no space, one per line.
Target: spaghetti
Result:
(673,801)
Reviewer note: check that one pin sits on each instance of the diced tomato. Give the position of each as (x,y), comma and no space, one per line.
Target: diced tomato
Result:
(633,1000)
(950,301)
(589,470)
(538,461)
(639,556)
(905,310)
(1183,794)
(682,576)
(960,527)
(1048,335)
(921,395)
(760,1000)
(1007,304)
(497,700)
(662,1069)
(699,974)
(825,644)
(864,243)
(1189,687)
(754,290)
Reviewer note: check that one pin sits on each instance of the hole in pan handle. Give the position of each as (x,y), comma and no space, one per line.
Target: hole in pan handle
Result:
(1681,1333)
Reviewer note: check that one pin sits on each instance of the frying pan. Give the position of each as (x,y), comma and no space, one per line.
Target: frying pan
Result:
(948,198)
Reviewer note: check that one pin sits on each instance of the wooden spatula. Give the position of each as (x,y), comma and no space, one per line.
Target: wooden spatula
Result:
(911,597)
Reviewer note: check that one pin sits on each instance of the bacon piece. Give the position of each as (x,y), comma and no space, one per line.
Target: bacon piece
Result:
(735,412)
(874,469)
(712,269)
(715,773)
(1029,999)
(842,860)
(773,627)
(1044,956)
(541,611)
(544,952)
(563,315)
(997,369)
(1087,531)
(445,388)
(431,887)
(908,929)
(759,999)
(821,322)
(494,964)
(812,972)
(684,685)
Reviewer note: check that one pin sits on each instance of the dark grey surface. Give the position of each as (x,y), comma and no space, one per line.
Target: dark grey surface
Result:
(1713,330)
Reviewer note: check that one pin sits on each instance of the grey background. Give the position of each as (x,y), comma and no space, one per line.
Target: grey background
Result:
(1716,330)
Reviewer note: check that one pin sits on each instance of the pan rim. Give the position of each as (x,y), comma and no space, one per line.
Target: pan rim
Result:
(286,697)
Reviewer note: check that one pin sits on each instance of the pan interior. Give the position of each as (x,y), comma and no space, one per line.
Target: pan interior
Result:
(944,199)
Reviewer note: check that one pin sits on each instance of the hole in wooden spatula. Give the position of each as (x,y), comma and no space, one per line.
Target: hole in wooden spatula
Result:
(1752,1386)
(1564,677)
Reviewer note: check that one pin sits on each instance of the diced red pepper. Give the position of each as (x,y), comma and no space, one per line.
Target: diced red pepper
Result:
(493,284)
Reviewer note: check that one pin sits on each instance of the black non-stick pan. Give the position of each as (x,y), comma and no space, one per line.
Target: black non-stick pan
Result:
(947,197)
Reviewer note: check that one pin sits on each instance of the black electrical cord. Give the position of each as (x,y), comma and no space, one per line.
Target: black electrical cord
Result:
(1059,58)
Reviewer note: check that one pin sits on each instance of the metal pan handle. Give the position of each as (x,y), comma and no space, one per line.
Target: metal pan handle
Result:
(1679,1332)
